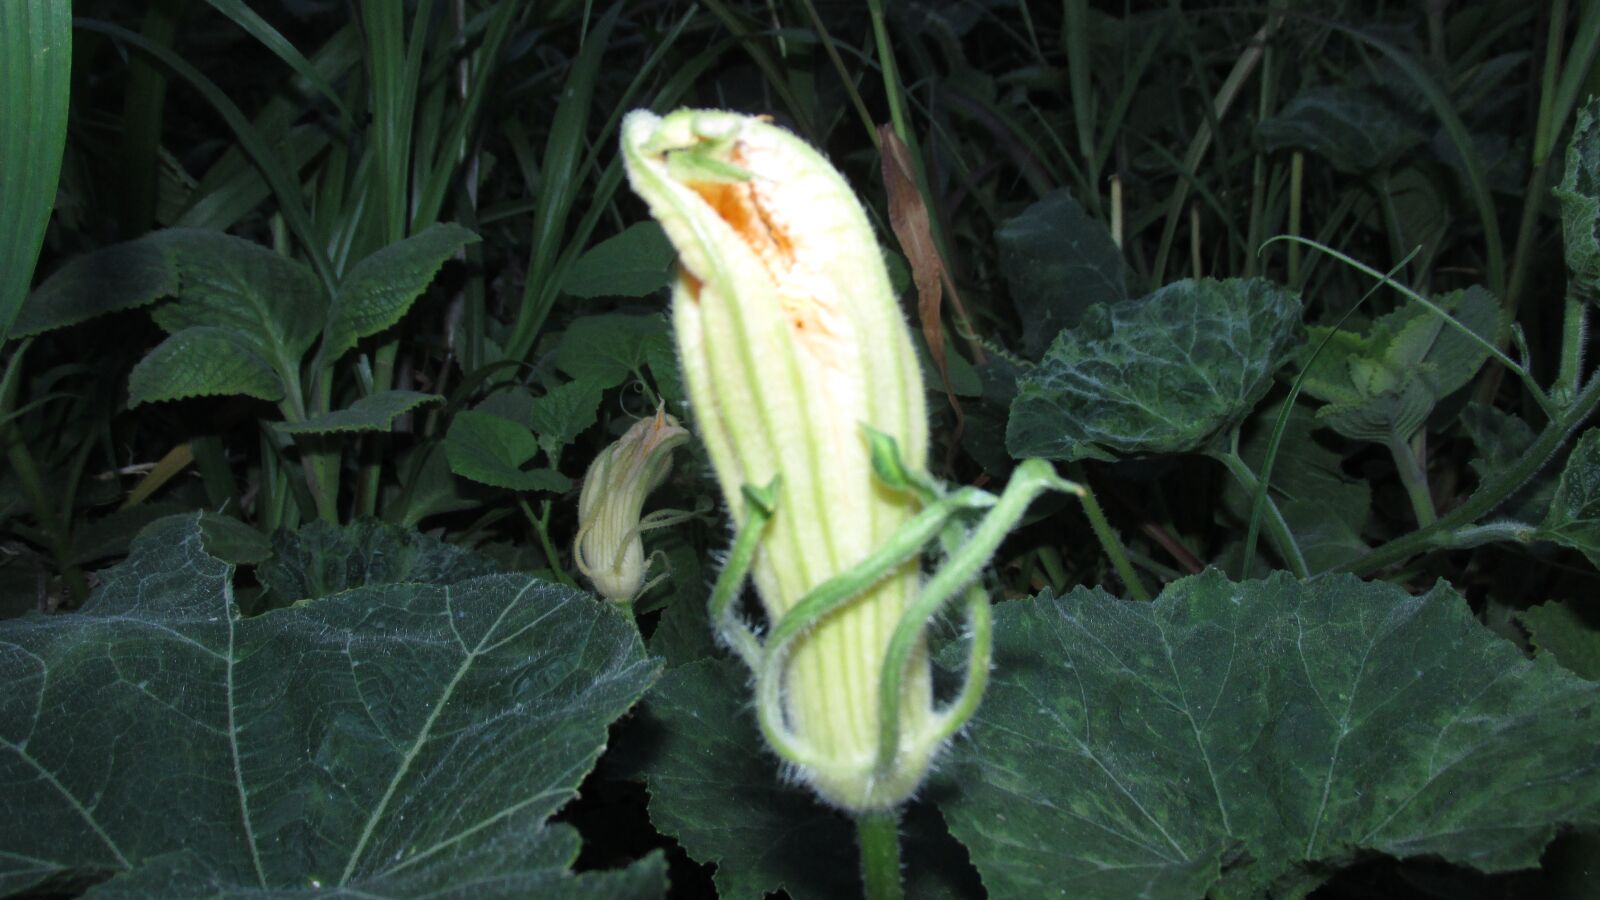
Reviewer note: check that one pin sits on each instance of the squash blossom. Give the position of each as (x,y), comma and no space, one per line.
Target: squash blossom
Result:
(791,341)
(609,549)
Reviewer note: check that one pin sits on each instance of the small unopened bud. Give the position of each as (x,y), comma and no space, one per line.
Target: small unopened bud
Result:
(609,549)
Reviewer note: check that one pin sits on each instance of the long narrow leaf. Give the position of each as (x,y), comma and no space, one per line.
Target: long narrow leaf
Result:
(35,70)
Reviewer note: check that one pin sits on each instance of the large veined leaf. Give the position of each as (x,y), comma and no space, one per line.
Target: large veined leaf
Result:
(379,290)
(374,412)
(1569,631)
(394,740)
(1574,516)
(1252,738)
(1161,374)
(203,361)
(1058,262)
(1579,194)
(1351,128)
(716,788)
(122,276)
(270,301)
(35,80)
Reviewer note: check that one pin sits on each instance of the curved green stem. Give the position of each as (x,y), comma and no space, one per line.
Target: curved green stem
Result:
(1032,478)
(1414,477)
(1277,526)
(1490,494)
(1108,538)
(879,836)
(758,506)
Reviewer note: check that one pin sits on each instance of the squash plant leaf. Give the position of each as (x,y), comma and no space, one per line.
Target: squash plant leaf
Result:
(1248,739)
(562,414)
(374,412)
(1574,516)
(1058,262)
(1579,196)
(203,361)
(493,450)
(392,740)
(716,787)
(379,290)
(1353,129)
(1569,631)
(635,263)
(1162,374)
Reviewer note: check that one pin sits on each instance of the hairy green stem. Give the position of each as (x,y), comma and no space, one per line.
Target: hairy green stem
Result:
(879,837)
(1574,334)
(541,529)
(1494,491)
(1108,538)
(1408,464)
(1277,526)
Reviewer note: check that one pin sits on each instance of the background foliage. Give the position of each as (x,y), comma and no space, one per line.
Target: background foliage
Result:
(337,301)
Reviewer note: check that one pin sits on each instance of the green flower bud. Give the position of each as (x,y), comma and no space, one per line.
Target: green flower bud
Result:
(609,549)
(791,341)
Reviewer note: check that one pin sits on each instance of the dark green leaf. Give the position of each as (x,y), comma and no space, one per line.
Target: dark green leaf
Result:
(716,788)
(1568,631)
(203,361)
(232,541)
(607,350)
(1574,516)
(379,290)
(122,276)
(1058,262)
(374,412)
(563,413)
(271,301)
(1247,739)
(1579,194)
(635,263)
(394,740)
(109,535)
(1349,127)
(491,450)
(35,80)
(1162,374)
(321,560)
(1500,439)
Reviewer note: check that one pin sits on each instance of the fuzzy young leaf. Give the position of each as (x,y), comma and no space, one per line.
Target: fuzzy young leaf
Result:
(374,412)
(1574,516)
(379,290)
(492,450)
(1351,128)
(1058,262)
(393,740)
(122,276)
(1162,374)
(1248,739)
(635,263)
(1384,383)
(203,361)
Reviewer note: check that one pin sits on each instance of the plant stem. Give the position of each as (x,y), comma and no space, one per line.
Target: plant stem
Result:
(541,529)
(879,836)
(1277,526)
(1415,478)
(1574,334)
(1108,538)
(1490,494)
